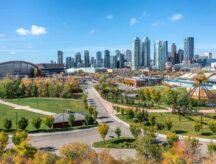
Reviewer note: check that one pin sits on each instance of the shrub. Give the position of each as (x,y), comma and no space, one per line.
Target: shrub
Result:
(135,129)
(197,126)
(7,124)
(168,124)
(135,120)
(172,138)
(71,119)
(36,122)
(122,111)
(103,130)
(211,148)
(89,119)
(3,141)
(49,121)
(18,137)
(139,116)
(212,126)
(130,113)
(153,120)
(23,123)
(160,126)
(118,132)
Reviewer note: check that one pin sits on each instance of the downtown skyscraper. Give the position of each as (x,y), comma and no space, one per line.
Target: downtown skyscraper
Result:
(188,49)
(60,57)
(136,54)
(146,53)
(160,54)
(106,59)
(86,59)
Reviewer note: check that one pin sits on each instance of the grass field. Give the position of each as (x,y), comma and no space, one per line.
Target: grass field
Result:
(185,126)
(121,143)
(10,113)
(51,105)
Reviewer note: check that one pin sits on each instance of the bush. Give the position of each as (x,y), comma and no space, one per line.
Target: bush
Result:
(135,120)
(139,116)
(160,126)
(18,137)
(23,123)
(118,132)
(7,124)
(211,148)
(168,124)
(122,111)
(71,119)
(36,122)
(3,141)
(49,121)
(172,138)
(153,120)
(197,126)
(130,113)
(135,129)
(89,119)
(212,126)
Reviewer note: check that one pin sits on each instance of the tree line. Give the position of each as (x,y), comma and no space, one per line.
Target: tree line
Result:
(15,88)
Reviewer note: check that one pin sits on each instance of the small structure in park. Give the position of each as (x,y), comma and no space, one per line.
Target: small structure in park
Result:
(201,93)
(61,120)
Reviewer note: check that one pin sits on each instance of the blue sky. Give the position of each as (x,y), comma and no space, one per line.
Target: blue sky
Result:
(33,30)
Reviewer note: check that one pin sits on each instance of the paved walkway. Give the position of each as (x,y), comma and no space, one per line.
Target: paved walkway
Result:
(27,108)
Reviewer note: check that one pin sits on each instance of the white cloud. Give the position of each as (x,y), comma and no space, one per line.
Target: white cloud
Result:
(133,21)
(157,23)
(92,31)
(35,30)
(176,17)
(109,17)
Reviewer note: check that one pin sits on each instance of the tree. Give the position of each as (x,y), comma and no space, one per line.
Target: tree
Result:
(147,151)
(103,130)
(18,137)
(3,141)
(7,124)
(23,123)
(25,149)
(71,120)
(118,132)
(168,124)
(153,120)
(197,126)
(135,129)
(36,122)
(155,95)
(211,148)
(172,138)
(89,120)
(49,121)
(212,126)
(44,158)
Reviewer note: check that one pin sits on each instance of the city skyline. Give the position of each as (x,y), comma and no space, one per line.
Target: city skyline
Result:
(34,31)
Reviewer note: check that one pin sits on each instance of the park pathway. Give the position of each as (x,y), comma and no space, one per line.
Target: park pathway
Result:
(27,108)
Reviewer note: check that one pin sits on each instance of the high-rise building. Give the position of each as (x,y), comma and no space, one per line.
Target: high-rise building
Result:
(180,55)
(113,61)
(72,63)
(136,54)
(165,52)
(159,55)
(68,62)
(128,57)
(60,57)
(188,49)
(78,60)
(173,56)
(107,59)
(121,61)
(86,59)
(99,61)
(93,63)
(146,52)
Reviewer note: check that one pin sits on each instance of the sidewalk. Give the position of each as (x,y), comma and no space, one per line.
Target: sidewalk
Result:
(27,108)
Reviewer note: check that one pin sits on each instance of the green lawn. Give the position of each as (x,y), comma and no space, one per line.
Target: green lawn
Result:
(185,126)
(10,113)
(51,105)
(121,143)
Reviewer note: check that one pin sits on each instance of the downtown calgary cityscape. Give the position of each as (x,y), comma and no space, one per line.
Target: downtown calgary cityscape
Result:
(107,82)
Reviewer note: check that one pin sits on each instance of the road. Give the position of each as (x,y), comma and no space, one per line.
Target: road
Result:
(54,141)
